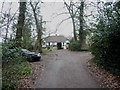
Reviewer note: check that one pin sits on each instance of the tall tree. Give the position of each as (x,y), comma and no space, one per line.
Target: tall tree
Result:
(36,12)
(81,20)
(72,12)
(27,30)
(20,24)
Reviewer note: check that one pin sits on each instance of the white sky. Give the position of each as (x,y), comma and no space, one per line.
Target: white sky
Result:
(49,11)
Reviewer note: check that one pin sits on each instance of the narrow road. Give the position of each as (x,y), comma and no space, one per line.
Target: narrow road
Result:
(66,69)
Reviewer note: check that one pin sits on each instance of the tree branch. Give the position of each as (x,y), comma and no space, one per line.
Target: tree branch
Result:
(10,19)
(60,14)
(61,23)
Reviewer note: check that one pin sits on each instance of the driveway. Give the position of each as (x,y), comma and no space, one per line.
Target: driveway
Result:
(66,69)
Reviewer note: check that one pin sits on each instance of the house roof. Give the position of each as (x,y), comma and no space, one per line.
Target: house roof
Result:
(55,39)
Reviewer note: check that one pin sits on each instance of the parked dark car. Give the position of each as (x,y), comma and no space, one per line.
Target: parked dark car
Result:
(31,56)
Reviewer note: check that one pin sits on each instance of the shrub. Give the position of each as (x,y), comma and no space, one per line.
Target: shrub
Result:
(14,66)
(106,49)
(75,46)
(105,43)
(9,55)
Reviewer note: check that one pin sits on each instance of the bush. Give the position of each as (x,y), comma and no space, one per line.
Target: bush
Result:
(9,55)
(106,49)
(106,40)
(75,46)
(14,66)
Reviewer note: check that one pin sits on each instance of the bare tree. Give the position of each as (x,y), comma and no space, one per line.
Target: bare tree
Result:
(6,19)
(35,7)
(72,12)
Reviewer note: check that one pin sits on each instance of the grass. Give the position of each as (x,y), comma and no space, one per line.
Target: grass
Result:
(54,48)
(46,51)
(13,73)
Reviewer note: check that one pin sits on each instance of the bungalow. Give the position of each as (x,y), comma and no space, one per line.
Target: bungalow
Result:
(58,41)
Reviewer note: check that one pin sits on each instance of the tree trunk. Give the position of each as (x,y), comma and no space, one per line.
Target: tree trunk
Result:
(21,18)
(39,37)
(81,36)
(74,30)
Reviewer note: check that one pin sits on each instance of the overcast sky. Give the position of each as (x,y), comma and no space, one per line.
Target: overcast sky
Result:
(49,11)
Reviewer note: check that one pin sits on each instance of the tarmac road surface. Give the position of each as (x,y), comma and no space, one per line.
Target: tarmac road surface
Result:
(66,69)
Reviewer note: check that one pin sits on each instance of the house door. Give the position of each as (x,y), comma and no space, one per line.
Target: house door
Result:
(59,45)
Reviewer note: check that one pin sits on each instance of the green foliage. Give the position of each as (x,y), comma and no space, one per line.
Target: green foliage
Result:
(106,50)
(105,42)
(45,51)
(9,53)
(75,46)
(14,66)
(13,73)
(27,41)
